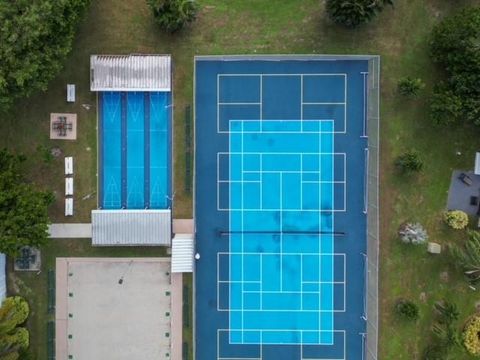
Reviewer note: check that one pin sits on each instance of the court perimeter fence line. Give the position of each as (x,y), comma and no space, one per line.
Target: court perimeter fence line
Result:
(372,256)
(372,186)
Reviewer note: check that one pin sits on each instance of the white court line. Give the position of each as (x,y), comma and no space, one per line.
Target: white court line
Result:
(239,103)
(341,332)
(260,103)
(323,103)
(281,232)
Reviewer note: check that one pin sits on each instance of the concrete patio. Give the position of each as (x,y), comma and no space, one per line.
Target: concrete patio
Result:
(460,193)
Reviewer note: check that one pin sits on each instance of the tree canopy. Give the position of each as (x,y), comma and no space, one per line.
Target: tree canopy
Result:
(455,46)
(35,38)
(173,15)
(23,208)
(13,339)
(352,13)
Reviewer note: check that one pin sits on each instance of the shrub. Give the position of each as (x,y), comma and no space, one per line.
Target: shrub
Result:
(409,162)
(471,336)
(412,233)
(410,87)
(173,15)
(352,13)
(456,219)
(407,309)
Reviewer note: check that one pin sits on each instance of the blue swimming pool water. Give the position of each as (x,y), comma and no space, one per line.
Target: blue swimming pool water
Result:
(134,150)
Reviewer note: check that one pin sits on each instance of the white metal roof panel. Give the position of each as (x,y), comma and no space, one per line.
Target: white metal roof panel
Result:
(130,73)
(182,253)
(131,227)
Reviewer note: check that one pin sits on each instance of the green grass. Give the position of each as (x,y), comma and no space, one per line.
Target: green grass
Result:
(399,35)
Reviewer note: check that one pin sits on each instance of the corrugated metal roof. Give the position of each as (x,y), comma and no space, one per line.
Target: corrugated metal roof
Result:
(130,73)
(131,227)
(182,253)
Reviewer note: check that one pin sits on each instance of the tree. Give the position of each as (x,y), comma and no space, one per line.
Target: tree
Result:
(352,13)
(447,312)
(407,309)
(35,38)
(412,233)
(173,15)
(409,86)
(468,257)
(455,47)
(14,312)
(409,162)
(445,107)
(23,209)
(456,219)
(13,339)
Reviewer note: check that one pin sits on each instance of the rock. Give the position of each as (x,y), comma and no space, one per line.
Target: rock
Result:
(423,297)
(444,276)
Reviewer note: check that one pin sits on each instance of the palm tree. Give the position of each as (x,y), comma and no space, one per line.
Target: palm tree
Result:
(468,258)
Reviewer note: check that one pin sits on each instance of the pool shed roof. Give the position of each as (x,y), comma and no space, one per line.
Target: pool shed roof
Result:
(130,73)
(131,227)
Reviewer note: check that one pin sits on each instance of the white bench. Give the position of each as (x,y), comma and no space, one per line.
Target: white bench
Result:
(71,93)
(68,186)
(69,207)
(69,165)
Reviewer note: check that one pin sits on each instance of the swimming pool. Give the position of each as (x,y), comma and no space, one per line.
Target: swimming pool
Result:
(134,150)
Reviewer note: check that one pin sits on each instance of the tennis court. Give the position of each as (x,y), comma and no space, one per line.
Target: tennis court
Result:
(281,207)
(134,150)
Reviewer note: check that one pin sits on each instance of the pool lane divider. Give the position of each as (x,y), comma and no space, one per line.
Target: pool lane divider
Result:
(100,150)
(123,136)
(146,166)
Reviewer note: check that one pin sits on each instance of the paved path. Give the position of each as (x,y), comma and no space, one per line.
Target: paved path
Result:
(176,318)
(183,226)
(64,231)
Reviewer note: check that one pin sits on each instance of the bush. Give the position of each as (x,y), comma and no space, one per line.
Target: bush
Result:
(471,338)
(410,87)
(454,46)
(412,233)
(456,219)
(409,162)
(35,38)
(352,13)
(173,15)
(407,309)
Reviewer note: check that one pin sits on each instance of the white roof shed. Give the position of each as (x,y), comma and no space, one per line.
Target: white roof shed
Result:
(130,73)
(182,253)
(131,227)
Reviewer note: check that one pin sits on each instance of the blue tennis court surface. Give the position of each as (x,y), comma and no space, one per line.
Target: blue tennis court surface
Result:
(280,208)
(134,150)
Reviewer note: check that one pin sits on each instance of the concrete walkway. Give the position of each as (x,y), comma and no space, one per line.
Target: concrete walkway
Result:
(183,226)
(177,315)
(69,231)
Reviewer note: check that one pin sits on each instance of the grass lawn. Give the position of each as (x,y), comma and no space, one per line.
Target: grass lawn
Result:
(399,35)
